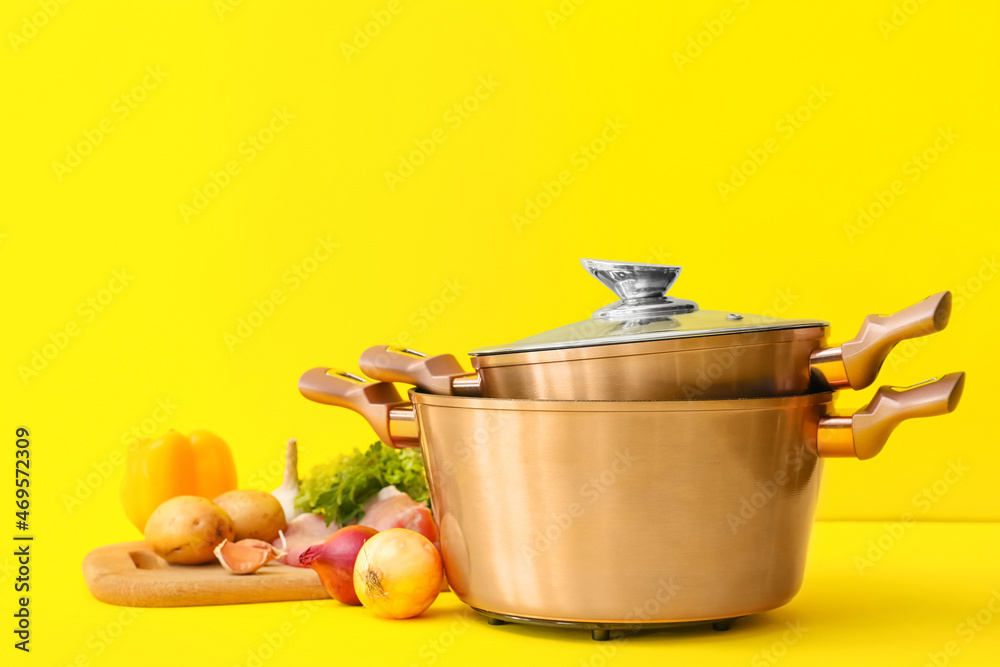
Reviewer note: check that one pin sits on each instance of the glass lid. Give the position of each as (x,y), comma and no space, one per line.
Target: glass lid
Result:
(643,313)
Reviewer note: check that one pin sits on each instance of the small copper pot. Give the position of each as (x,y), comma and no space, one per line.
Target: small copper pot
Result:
(650,346)
(607,512)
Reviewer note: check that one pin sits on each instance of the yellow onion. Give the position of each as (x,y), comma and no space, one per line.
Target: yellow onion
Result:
(398,573)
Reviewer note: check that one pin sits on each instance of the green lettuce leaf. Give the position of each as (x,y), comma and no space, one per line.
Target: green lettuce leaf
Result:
(339,488)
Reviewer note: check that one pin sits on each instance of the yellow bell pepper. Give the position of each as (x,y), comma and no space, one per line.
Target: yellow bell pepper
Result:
(175,465)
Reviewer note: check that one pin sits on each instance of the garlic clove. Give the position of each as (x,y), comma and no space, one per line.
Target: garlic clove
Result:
(289,489)
(246,556)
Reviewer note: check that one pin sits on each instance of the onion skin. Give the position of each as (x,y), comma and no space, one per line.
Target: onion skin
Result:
(398,574)
(333,561)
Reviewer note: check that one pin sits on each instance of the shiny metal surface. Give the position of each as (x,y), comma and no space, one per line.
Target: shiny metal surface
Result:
(763,362)
(641,289)
(643,348)
(828,364)
(644,313)
(836,438)
(633,281)
(619,511)
(624,512)
(757,364)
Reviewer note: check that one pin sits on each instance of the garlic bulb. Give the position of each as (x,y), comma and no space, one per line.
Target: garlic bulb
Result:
(289,489)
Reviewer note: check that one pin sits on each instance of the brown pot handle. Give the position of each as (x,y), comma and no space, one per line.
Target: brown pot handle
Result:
(432,374)
(857,362)
(864,433)
(392,418)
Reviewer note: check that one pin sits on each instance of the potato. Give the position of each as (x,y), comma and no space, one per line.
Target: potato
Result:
(186,529)
(257,515)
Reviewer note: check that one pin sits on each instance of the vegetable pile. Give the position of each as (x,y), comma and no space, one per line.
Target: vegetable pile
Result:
(338,490)
(387,561)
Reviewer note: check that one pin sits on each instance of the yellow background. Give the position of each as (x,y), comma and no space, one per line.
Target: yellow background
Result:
(781,241)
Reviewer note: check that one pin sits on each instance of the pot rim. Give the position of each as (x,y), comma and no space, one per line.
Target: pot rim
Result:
(419,397)
(628,349)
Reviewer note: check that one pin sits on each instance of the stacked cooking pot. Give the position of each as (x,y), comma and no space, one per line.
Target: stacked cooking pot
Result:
(653,464)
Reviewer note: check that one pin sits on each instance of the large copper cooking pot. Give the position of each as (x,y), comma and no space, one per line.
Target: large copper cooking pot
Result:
(650,346)
(606,513)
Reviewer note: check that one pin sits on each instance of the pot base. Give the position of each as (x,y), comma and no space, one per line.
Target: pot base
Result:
(601,632)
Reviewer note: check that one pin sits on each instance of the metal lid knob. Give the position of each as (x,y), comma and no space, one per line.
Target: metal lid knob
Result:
(641,287)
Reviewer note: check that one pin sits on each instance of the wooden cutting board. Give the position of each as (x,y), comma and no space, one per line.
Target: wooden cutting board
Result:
(131,575)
